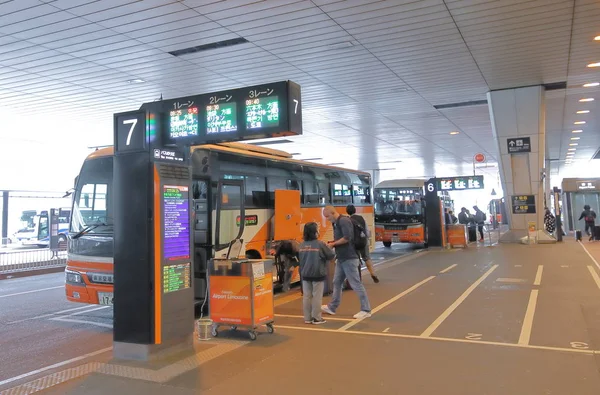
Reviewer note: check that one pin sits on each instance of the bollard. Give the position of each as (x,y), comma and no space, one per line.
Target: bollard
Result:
(204,328)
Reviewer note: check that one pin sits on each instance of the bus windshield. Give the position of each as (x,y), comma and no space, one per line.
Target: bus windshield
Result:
(92,203)
(393,201)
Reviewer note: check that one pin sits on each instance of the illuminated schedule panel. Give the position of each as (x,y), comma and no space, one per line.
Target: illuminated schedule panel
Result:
(176,277)
(269,110)
(176,243)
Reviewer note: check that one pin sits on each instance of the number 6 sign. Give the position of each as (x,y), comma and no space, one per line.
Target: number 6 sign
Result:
(130,131)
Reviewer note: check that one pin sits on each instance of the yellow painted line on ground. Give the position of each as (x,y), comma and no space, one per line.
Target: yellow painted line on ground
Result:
(443,339)
(528,320)
(590,255)
(538,275)
(594,275)
(446,270)
(328,318)
(456,303)
(287,298)
(387,303)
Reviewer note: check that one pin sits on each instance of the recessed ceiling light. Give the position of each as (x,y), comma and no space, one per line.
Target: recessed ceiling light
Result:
(586,99)
(577,131)
(575,138)
(454,133)
(591,84)
(583,111)
(597,64)
(572,149)
(136,81)
(579,123)
(573,144)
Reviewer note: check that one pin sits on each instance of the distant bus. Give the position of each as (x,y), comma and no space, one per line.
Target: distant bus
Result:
(399,211)
(279,195)
(37,230)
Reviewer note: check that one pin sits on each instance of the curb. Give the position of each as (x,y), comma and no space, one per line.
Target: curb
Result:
(33,272)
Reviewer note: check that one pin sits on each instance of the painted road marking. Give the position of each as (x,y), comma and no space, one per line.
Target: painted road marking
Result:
(564,265)
(51,314)
(590,255)
(594,275)
(89,311)
(528,320)
(56,365)
(301,316)
(538,275)
(474,336)
(510,280)
(580,345)
(82,322)
(442,339)
(387,303)
(446,270)
(29,292)
(386,330)
(518,265)
(456,303)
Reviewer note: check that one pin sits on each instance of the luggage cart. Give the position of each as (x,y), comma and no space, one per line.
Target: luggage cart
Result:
(241,295)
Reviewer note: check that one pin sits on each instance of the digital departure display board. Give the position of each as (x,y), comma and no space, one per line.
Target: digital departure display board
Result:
(262,112)
(221,118)
(269,110)
(183,123)
(176,277)
(176,222)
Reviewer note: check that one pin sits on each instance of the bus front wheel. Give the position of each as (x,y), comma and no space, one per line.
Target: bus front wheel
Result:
(387,244)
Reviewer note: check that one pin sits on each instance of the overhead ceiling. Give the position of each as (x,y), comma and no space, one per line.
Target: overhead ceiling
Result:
(373,73)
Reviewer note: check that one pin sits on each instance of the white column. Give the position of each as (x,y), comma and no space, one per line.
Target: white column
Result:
(520,112)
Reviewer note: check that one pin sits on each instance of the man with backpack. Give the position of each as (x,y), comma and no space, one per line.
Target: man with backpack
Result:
(589,216)
(347,263)
(480,218)
(363,252)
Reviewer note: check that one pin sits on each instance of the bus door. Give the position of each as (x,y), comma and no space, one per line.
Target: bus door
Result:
(201,223)
(230,218)
(287,215)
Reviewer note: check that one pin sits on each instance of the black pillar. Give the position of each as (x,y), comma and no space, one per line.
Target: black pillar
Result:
(4,217)
(433,214)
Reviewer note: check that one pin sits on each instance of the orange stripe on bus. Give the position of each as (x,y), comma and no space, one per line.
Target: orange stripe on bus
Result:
(157,253)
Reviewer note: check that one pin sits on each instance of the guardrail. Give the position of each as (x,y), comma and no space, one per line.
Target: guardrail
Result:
(21,260)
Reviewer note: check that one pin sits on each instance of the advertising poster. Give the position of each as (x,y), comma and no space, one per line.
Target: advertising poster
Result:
(230,300)
(263,300)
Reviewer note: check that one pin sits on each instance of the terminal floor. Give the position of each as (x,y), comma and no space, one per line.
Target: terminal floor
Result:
(508,319)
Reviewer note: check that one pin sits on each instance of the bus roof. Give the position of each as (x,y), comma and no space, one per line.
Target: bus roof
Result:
(244,149)
(402,183)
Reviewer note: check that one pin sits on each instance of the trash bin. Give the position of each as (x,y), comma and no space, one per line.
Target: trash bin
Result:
(578,235)
(472,234)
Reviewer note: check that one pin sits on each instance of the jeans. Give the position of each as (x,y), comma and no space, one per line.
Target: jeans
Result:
(312,299)
(348,269)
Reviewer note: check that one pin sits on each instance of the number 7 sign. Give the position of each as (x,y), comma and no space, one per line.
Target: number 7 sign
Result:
(130,131)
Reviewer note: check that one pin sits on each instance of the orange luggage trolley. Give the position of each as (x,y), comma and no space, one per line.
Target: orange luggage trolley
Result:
(241,294)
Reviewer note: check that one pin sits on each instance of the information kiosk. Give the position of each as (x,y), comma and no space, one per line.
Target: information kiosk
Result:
(161,240)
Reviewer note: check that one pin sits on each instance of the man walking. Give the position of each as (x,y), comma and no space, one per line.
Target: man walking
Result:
(480,218)
(347,264)
(364,252)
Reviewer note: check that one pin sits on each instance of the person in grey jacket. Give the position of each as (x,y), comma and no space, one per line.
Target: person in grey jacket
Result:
(314,255)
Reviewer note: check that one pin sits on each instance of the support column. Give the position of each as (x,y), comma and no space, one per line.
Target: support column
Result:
(4,218)
(515,113)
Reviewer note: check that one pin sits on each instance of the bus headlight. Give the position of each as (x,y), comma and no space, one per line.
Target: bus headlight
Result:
(73,278)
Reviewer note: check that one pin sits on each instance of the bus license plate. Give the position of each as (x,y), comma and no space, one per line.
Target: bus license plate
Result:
(105,298)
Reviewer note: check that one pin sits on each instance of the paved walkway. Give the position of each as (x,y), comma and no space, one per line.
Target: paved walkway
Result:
(507,319)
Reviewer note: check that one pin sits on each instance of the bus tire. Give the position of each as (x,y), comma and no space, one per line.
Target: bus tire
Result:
(253,254)
(387,244)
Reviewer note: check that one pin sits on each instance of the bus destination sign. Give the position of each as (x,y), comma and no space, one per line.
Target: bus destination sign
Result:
(261,111)
(466,183)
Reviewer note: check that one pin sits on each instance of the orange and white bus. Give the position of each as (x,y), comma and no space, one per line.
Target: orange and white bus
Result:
(279,195)
(399,211)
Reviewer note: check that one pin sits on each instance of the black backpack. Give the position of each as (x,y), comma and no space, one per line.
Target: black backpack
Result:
(360,235)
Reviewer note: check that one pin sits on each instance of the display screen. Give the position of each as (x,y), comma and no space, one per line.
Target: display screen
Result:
(183,122)
(176,222)
(221,118)
(262,112)
(176,277)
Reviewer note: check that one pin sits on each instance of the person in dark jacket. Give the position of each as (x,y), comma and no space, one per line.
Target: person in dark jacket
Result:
(363,253)
(314,255)
(463,216)
(480,218)
(589,216)
(287,254)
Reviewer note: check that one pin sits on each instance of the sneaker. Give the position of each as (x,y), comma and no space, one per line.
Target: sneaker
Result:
(318,322)
(375,279)
(308,322)
(362,314)
(325,308)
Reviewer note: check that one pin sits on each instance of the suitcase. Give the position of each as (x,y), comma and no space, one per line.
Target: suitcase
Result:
(596,232)
(472,234)
(328,288)
(578,235)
